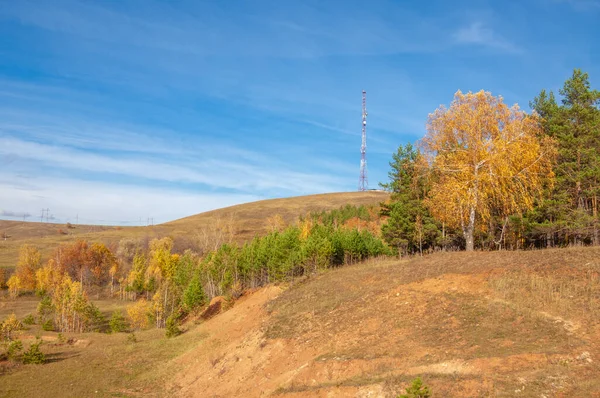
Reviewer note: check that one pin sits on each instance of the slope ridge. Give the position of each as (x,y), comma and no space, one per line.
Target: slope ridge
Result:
(367,330)
(244,221)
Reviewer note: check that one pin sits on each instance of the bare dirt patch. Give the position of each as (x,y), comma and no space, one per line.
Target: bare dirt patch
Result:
(369,329)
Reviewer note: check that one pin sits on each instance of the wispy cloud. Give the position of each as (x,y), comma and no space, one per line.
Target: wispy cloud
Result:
(209,171)
(231,99)
(477,33)
(106,203)
(14,214)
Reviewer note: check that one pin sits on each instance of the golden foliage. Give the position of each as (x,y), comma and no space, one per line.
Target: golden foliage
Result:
(10,325)
(14,286)
(484,157)
(305,228)
(29,261)
(162,262)
(138,313)
(275,223)
(101,261)
(48,277)
(70,303)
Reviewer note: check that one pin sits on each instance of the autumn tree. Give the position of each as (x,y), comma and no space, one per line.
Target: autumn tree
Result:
(101,261)
(162,269)
(74,258)
(48,277)
(29,262)
(484,158)
(139,313)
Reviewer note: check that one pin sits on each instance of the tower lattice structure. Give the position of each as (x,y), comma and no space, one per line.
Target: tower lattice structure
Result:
(363,180)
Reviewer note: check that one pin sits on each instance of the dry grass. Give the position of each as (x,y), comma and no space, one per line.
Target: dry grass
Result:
(236,223)
(98,365)
(471,324)
(508,319)
(92,364)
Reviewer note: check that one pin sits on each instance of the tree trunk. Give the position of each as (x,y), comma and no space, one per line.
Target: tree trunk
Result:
(469,230)
(443,236)
(594,220)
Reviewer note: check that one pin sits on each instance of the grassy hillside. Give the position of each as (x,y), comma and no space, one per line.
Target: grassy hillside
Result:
(477,324)
(238,223)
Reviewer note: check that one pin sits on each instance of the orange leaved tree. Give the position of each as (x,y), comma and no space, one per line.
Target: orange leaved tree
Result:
(484,158)
(29,261)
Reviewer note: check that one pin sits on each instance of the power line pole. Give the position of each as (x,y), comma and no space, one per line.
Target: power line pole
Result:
(42,217)
(363,181)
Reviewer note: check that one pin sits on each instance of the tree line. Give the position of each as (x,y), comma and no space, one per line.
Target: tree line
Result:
(491,176)
(166,285)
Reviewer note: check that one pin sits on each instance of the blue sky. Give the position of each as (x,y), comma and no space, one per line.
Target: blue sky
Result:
(116,111)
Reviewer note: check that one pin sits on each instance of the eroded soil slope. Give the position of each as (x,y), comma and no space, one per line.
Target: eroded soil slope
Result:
(471,325)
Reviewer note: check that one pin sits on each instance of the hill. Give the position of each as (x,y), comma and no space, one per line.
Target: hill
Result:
(237,223)
(477,324)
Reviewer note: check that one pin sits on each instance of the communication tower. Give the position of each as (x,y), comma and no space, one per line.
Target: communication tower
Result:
(363,181)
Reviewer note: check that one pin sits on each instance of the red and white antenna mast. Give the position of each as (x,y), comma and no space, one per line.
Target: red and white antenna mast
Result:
(363,181)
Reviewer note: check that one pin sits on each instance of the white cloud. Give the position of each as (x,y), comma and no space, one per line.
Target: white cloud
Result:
(106,203)
(295,30)
(206,169)
(479,34)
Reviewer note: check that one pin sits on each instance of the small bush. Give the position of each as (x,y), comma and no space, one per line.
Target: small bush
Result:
(48,326)
(34,355)
(94,317)
(13,349)
(117,322)
(172,329)
(29,320)
(10,325)
(416,390)
(131,338)
(61,338)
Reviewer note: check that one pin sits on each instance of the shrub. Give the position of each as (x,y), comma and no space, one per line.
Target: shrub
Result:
(14,286)
(117,322)
(10,325)
(61,338)
(93,317)
(139,314)
(48,326)
(29,320)
(131,338)
(172,329)
(416,390)
(34,355)
(13,349)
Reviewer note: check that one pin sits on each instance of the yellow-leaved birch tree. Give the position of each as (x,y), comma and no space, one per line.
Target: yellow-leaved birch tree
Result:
(484,157)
